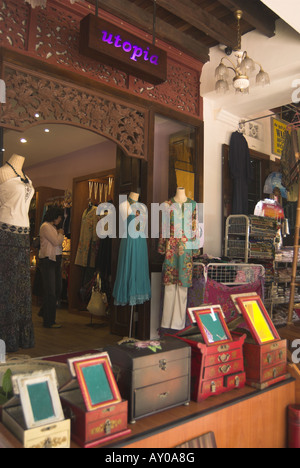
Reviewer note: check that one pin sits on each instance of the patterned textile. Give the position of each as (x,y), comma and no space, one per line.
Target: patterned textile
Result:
(14,229)
(16,327)
(217,293)
(178,263)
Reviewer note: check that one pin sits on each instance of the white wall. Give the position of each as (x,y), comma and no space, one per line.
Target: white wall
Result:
(280,57)
(60,172)
(218,127)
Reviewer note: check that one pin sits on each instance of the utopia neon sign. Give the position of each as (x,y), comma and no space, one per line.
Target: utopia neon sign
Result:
(111,45)
(135,51)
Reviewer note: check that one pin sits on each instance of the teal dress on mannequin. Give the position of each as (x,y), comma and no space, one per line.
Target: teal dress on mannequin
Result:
(132,285)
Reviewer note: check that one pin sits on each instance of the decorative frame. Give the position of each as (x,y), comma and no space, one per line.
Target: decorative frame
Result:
(258,319)
(97,382)
(39,398)
(211,322)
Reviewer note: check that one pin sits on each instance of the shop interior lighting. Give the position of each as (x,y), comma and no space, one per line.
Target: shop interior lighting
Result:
(243,68)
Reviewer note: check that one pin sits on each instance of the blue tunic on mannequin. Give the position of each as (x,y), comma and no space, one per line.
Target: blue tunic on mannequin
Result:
(132,285)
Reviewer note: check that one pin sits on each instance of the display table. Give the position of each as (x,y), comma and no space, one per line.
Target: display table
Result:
(244,418)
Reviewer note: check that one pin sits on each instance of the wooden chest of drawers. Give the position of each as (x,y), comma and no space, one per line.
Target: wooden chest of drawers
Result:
(152,376)
(91,428)
(265,364)
(215,369)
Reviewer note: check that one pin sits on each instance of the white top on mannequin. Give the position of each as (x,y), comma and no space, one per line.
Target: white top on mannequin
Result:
(125,208)
(15,194)
(180,196)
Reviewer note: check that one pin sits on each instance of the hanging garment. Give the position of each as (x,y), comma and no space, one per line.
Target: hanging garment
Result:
(87,246)
(178,263)
(240,171)
(132,285)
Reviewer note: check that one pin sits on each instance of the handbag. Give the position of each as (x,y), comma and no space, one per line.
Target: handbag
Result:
(98,302)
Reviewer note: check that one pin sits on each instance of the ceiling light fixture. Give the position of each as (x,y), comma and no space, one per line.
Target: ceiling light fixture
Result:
(242,69)
(23,140)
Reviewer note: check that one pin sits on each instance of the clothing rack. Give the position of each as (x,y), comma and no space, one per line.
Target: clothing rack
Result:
(289,109)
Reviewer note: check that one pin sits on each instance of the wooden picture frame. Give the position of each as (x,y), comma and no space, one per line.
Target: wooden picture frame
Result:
(39,397)
(97,382)
(257,319)
(211,323)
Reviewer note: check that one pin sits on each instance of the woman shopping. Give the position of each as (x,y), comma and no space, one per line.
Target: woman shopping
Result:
(51,239)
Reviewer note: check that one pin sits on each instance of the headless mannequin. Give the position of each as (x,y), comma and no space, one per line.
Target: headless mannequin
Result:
(180,196)
(6,172)
(125,208)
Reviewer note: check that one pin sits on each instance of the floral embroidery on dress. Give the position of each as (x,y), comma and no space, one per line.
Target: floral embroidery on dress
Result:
(178,263)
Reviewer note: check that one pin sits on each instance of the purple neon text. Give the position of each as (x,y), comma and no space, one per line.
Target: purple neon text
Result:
(136,51)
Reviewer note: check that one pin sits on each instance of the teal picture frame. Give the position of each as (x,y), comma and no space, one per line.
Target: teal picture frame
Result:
(211,323)
(39,398)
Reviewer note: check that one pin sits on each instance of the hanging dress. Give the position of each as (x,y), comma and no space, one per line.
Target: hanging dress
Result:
(132,285)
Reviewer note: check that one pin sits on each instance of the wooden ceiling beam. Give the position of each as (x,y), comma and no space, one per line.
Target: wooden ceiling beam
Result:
(140,18)
(254,14)
(201,19)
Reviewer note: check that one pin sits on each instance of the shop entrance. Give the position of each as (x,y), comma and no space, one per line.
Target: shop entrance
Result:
(76,169)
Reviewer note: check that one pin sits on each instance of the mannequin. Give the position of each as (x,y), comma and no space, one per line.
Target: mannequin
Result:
(178,264)
(180,196)
(7,172)
(16,192)
(125,207)
(132,285)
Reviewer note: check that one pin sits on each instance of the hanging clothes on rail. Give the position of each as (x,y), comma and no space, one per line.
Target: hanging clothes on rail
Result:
(240,171)
(87,246)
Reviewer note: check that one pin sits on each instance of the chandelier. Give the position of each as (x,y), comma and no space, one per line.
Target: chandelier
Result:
(42,3)
(243,68)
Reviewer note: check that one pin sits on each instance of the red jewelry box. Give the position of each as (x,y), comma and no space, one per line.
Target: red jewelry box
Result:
(216,368)
(93,402)
(265,353)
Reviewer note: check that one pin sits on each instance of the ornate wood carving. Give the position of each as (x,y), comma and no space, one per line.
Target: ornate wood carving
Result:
(52,36)
(55,101)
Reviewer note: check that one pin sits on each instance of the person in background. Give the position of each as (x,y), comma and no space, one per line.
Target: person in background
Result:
(51,240)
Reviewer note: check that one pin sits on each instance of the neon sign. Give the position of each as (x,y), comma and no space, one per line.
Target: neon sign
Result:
(113,46)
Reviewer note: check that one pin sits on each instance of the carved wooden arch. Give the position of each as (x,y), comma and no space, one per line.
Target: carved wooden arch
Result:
(56,101)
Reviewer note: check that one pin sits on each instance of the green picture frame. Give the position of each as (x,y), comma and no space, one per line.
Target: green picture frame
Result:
(211,323)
